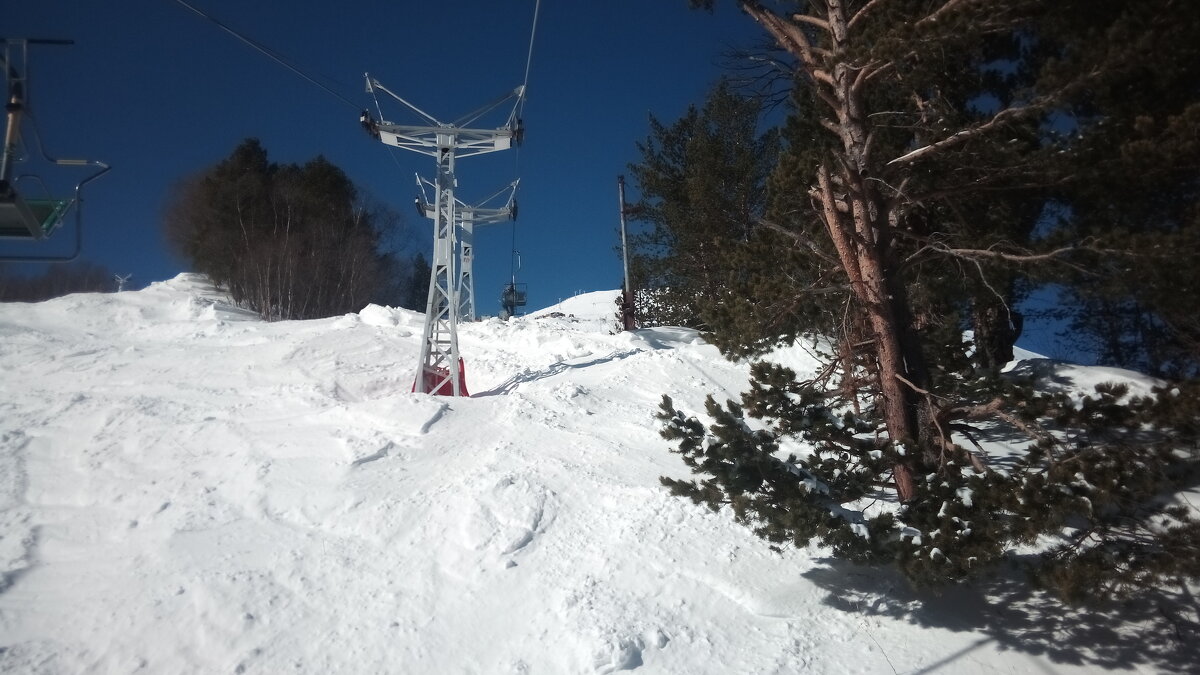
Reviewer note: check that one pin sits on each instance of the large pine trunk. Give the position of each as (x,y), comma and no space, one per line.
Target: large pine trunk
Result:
(858,221)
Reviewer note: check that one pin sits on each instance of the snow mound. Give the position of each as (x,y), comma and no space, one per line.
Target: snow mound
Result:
(593,305)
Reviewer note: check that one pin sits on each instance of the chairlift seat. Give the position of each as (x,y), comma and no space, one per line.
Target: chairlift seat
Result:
(31,219)
(514,295)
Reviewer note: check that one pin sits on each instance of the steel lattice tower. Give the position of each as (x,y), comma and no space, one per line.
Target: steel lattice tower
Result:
(439,368)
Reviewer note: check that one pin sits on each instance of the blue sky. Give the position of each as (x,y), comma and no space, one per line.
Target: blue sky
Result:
(158,92)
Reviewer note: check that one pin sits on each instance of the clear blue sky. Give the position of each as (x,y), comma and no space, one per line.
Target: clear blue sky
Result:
(158,92)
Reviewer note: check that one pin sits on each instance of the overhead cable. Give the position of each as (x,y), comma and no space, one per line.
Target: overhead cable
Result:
(529,56)
(268,52)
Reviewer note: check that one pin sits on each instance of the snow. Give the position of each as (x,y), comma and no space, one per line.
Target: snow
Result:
(965,496)
(186,489)
(1054,375)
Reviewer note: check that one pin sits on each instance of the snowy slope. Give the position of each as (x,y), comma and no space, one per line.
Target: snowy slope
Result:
(185,489)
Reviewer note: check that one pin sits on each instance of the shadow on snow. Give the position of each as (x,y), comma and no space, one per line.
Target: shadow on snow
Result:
(553,369)
(1159,628)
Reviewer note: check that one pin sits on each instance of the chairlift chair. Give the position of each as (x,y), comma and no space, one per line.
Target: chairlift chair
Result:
(32,218)
(513,296)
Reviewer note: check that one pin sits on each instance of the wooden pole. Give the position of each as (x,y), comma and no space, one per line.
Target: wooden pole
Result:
(627,313)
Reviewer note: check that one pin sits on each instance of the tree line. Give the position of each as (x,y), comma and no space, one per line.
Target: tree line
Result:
(291,241)
(55,281)
(940,161)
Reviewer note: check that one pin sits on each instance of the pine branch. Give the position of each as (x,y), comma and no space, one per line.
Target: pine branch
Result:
(937,14)
(971,132)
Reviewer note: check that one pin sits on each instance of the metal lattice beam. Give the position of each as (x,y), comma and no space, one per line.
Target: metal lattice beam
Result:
(468,217)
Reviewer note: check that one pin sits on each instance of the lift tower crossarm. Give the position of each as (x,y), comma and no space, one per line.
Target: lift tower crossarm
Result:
(468,218)
(483,215)
(467,142)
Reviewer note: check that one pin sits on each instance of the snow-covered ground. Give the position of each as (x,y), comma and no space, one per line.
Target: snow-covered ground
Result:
(186,489)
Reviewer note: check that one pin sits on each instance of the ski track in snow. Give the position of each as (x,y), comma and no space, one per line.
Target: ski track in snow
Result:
(185,489)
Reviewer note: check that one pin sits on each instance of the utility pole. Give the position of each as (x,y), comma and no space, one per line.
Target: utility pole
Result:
(628,318)
(440,369)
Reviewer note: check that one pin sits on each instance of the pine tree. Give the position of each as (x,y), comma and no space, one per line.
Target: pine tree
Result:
(701,181)
(922,163)
(1132,184)
(55,281)
(417,292)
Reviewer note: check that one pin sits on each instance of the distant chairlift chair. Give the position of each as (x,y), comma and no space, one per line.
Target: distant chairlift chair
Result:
(513,296)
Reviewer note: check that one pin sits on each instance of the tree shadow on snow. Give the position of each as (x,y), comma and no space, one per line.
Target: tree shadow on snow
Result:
(1048,373)
(1159,629)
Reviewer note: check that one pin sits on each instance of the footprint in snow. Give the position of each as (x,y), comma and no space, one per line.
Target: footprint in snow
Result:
(507,516)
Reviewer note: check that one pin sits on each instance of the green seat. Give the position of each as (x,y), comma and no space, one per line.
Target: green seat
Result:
(32,219)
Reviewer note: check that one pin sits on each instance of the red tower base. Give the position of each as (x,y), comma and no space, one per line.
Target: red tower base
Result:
(447,388)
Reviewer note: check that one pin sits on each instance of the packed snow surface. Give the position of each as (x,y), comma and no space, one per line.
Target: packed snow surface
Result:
(187,489)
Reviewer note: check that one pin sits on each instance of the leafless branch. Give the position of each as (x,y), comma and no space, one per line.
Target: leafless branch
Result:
(976,253)
(812,21)
(949,6)
(1006,115)
(765,72)
(792,38)
(799,239)
(917,389)
(863,11)
(1014,254)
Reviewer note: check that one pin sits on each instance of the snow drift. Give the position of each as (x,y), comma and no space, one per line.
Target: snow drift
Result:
(186,489)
